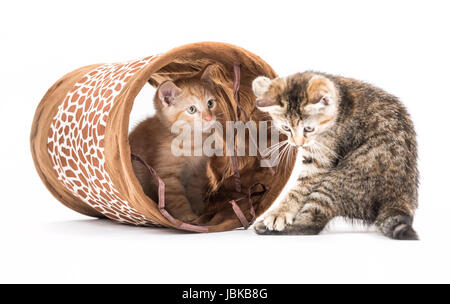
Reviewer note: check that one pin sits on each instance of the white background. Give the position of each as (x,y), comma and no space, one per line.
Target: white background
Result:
(401,46)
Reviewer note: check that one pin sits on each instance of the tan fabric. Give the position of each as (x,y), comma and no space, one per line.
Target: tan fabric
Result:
(113,190)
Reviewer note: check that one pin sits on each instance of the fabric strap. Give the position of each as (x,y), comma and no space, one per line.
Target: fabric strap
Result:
(162,202)
(251,192)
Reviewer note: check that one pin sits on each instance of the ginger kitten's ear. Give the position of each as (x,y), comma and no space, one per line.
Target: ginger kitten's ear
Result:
(321,91)
(167,92)
(207,74)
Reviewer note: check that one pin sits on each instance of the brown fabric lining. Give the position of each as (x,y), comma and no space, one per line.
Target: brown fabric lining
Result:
(234,161)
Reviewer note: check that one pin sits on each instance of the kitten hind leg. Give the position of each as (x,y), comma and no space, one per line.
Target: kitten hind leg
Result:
(396,224)
(178,205)
(195,192)
(312,219)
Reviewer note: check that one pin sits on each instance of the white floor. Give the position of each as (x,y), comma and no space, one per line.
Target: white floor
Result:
(65,247)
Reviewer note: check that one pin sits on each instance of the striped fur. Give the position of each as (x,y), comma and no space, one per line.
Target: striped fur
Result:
(360,162)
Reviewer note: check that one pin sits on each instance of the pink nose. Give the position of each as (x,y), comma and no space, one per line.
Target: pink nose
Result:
(207,117)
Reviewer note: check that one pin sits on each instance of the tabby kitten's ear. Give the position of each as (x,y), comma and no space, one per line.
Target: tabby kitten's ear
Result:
(260,86)
(321,91)
(167,92)
(264,102)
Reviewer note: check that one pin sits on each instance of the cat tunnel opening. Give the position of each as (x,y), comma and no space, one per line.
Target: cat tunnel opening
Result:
(161,198)
(79,139)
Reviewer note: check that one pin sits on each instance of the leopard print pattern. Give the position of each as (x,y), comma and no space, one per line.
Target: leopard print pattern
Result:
(76,140)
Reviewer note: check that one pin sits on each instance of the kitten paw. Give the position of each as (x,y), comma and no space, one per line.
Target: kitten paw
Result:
(278,220)
(260,228)
(187,217)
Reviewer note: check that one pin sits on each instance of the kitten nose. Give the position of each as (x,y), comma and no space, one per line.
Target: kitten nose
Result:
(207,117)
(299,140)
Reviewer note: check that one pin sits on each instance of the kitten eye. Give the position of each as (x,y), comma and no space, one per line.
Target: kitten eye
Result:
(286,128)
(191,110)
(210,103)
(308,129)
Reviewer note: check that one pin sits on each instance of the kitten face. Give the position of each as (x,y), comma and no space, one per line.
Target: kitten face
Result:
(189,103)
(302,106)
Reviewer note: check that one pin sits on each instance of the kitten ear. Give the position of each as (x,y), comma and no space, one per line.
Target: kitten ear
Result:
(321,91)
(260,86)
(207,74)
(167,92)
(264,102)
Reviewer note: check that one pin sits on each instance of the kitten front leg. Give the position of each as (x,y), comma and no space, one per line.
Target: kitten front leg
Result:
(307,210)
(176,201)
(311,220)
(283,215)
(195,189)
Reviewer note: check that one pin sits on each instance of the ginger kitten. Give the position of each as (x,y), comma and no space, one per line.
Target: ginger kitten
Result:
(183,102)
(359,154)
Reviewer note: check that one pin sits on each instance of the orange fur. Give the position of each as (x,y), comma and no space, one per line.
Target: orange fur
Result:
(184,176)
(217,175)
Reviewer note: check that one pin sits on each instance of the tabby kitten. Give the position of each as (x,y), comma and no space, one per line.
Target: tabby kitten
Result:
(358,148)
(183,101)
